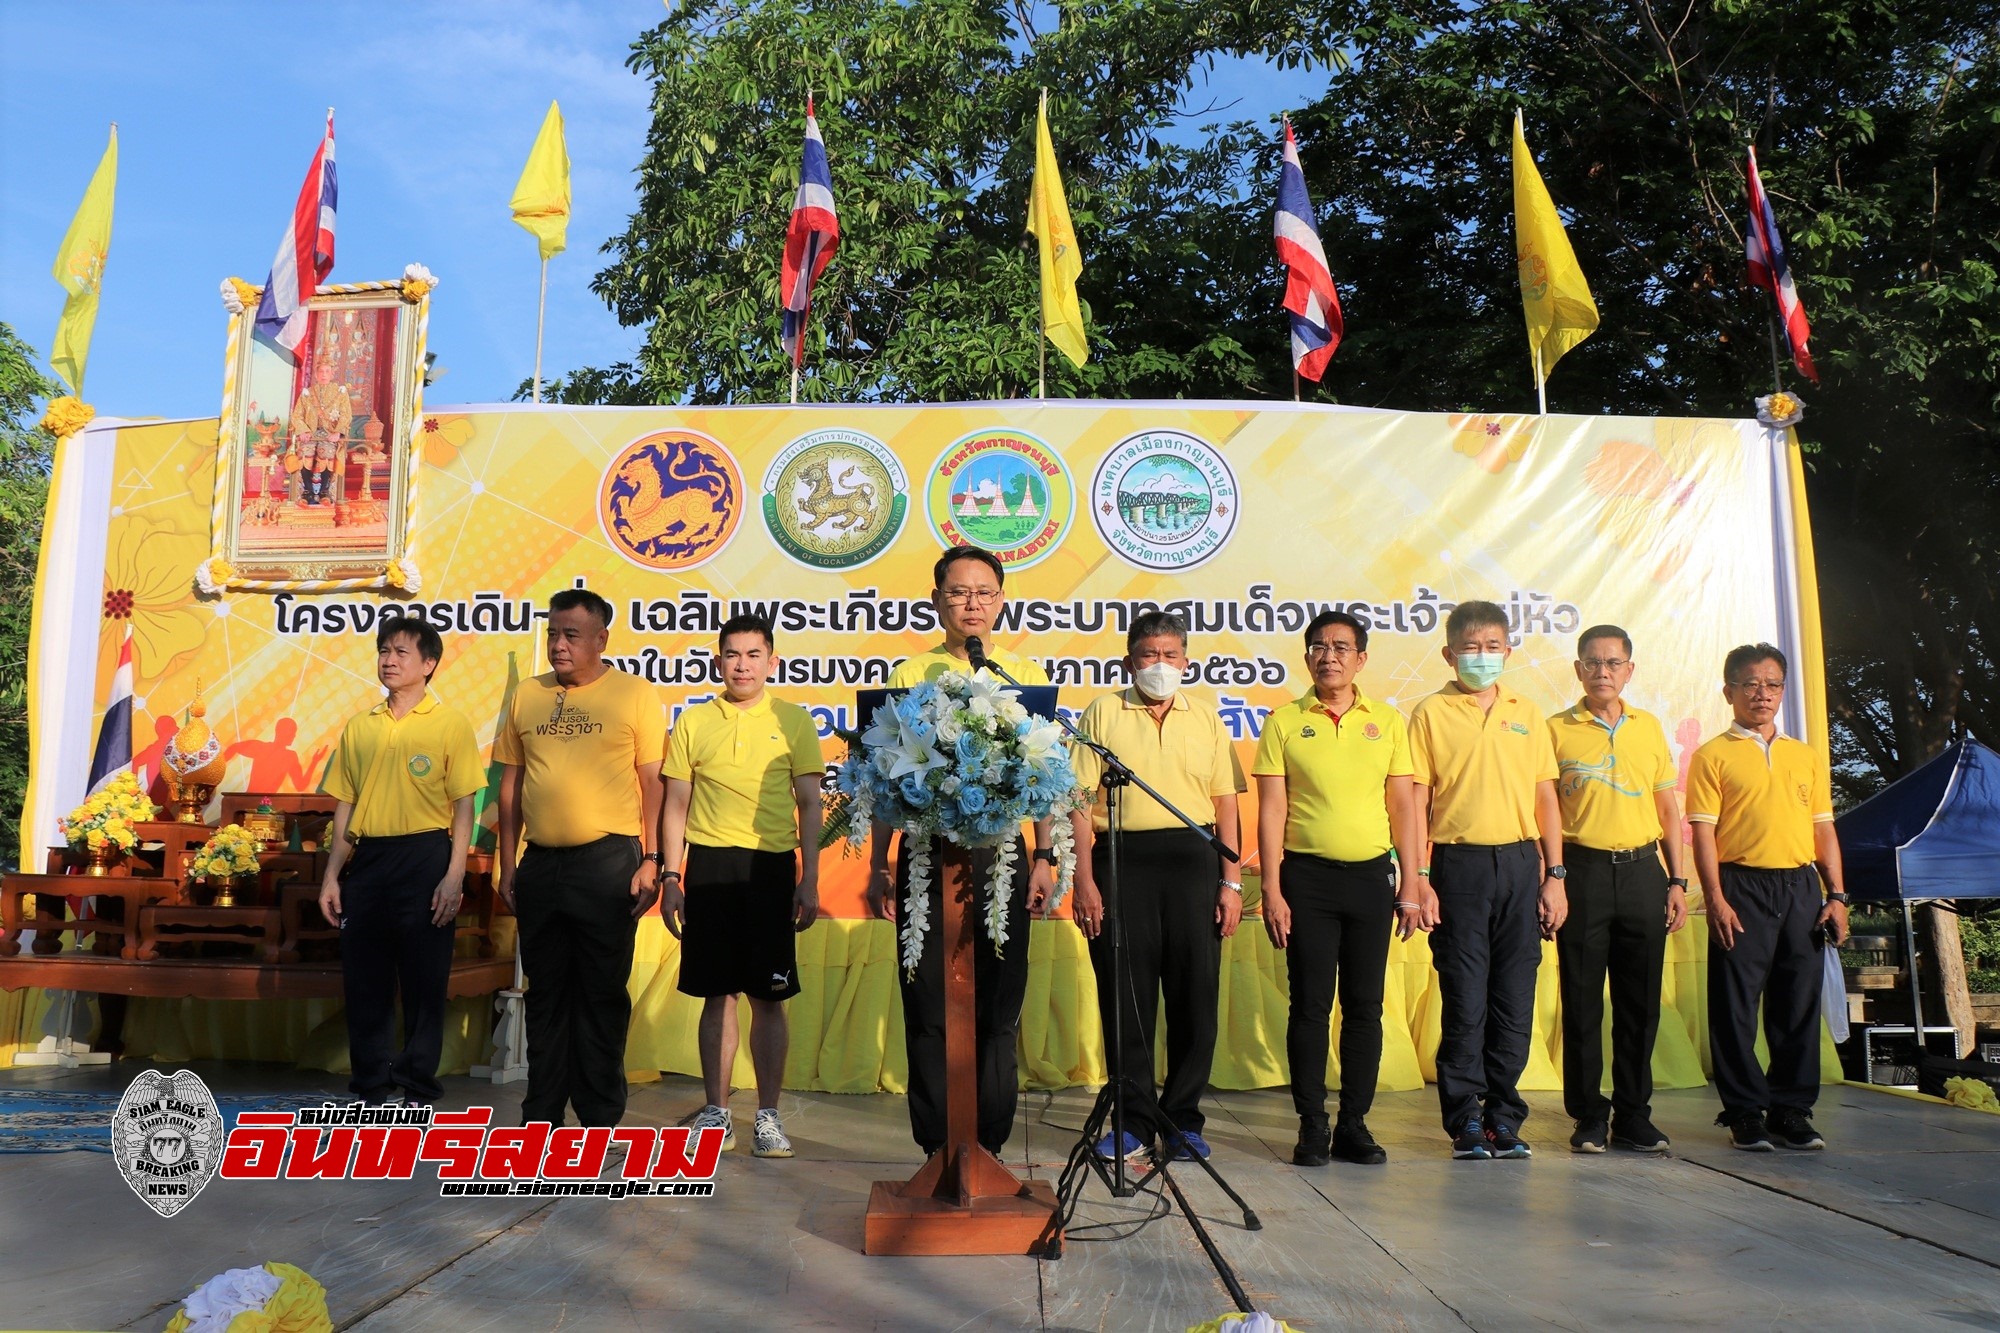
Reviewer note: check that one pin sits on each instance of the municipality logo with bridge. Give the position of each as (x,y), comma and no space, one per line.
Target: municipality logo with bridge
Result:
(1164,499)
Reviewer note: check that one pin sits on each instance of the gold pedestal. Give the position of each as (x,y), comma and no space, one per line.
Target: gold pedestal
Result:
(190,800)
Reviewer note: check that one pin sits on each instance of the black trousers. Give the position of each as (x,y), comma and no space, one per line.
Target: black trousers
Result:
(1167,886)
(1487,947)
(1000,984)
(388,947)
(1343,913)
(574,909)
(1618,925)
(1777,962)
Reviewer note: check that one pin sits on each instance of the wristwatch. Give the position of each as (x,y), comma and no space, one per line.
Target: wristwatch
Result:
(1046,854)
(1558,872)
(657,858)
(1840,898)
(1676,882)
(1232,886)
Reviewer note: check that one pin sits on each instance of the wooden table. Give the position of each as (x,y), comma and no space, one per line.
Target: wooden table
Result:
(51,919)
(221,979)
(171,923)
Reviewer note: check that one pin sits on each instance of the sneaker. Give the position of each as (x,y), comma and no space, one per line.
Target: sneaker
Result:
(1353,1143)
(1188,1145)
(1315,1145)
(1469,1144)
(1638,1134)
(1590,1135)
(1792,1128)
(1746,1131)
(714,1117)
(1506,1143)
(767,1138)
(1135,1151)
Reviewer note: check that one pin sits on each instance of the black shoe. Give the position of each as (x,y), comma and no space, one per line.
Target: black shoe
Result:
(1746,1131)
(1590,1135)
(1504,1142)
(1792,1128)
(1469,1144)
(1637,1133)
(1353,1143)
(1315,1145)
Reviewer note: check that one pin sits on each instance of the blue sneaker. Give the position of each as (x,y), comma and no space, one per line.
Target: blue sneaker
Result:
(1134,1150)
(1188,1145)
(1504,1142)
(1469,1144)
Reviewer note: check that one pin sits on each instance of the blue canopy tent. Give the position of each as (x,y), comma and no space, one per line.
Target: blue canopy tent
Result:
(1933,834)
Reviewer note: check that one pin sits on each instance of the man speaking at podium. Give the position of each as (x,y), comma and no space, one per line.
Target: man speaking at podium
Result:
(967,590)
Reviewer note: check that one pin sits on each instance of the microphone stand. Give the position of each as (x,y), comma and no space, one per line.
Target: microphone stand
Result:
(1111,1101)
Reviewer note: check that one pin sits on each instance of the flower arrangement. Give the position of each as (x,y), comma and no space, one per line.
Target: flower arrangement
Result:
(417,282)
(959,758)
(402,574)
(67,415)
(105,819)
(1779,410)
(230,851)
(238,295)
(212,576)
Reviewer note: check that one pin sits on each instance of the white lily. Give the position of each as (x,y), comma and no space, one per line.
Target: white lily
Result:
(1040,741)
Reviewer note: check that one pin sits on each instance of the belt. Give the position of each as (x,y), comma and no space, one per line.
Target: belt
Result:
(1616,858)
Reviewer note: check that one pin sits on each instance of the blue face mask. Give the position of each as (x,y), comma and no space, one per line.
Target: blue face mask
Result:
(1476,671)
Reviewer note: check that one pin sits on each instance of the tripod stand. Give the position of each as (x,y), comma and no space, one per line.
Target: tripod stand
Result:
(1127,1098)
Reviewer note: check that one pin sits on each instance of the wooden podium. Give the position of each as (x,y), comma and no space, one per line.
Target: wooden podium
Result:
(962,1200)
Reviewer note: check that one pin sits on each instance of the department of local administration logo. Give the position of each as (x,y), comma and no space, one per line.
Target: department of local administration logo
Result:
(835,499)
(1164,500)
(167,1138)
(1004,491)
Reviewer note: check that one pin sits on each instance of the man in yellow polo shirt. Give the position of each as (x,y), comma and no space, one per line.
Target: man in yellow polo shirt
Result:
(1761,806)
(1617,795)
(1485,797)
(581,777)
(742,800)
(1333,797)
(967,591)
(402,783)
(1176,903)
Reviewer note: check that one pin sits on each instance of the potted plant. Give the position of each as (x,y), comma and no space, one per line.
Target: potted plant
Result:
(101,831)
(229,856)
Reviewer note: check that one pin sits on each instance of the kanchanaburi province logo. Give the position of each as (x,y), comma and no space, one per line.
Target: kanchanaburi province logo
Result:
(167,1138)
(835,499)
(1164,499)
(1002,490)
(670,500)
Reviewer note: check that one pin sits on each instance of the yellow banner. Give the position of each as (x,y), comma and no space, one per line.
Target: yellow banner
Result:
(1245,519)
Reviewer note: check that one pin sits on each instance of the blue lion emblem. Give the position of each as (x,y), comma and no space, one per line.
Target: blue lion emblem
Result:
(672,500)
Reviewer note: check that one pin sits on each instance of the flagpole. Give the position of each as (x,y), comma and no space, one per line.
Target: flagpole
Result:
(1771,327)
(1041,343)
(796,358)
(541,312)
(1295,382)
(1541,386)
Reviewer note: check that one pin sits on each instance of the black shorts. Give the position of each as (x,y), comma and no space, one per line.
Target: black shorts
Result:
(737,937)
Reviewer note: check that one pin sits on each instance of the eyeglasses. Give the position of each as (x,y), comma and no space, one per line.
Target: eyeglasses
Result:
(1757,688)
(562,697)
(971,596)
(1593,665)
(1338,651)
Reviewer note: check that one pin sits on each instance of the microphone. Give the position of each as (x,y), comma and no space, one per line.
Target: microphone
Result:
(975,653)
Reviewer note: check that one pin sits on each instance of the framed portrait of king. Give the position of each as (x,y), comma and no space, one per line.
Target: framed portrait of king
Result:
(316,469)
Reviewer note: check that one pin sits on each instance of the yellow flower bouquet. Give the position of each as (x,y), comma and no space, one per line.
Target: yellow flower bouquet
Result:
(230,851)
(106,817)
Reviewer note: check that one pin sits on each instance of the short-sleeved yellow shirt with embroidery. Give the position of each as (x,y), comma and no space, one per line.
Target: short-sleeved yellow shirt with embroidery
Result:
(581,748)
(402,774)
(742,763)
(1763,800)
(1609,775)
(1186,756)
(1481,765)
(1336,771)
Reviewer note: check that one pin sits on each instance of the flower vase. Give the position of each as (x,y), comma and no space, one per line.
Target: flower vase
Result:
(98,861)
(191,800)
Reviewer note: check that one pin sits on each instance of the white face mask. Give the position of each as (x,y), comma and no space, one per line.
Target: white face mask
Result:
(1158,681)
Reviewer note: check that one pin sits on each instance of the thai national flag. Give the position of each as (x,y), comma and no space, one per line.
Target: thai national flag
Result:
(1768,269)
(1309,293)
(811,239)
(305,256)
(114,735)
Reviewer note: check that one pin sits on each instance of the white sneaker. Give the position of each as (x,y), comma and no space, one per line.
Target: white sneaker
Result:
(714,1117)
(769,1139)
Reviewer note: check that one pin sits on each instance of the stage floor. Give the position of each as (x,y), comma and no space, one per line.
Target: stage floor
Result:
(1896,1226)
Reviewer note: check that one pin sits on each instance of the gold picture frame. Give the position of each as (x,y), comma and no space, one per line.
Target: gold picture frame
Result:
(319,449)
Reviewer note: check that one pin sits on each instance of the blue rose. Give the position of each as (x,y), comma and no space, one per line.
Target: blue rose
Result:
(971,747)
(914,793)
(972,798)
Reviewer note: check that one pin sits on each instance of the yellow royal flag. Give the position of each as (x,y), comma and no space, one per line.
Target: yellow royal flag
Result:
(541,197)
(1062,262)
(80,270)
(1554,295)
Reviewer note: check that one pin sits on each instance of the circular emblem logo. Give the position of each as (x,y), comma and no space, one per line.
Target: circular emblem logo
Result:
(420,765)
(670,500)
(1372,732)
(1004,491)
(835,499)
(1164,499)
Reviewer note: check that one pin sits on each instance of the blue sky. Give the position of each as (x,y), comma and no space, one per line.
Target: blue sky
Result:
(219,108)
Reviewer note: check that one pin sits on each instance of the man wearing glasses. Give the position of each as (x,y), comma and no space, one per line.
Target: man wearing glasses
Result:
(1761,805)
(967,592)
(1616,789)
(580,755)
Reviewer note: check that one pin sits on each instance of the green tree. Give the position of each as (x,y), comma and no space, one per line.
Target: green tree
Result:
(24,487)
